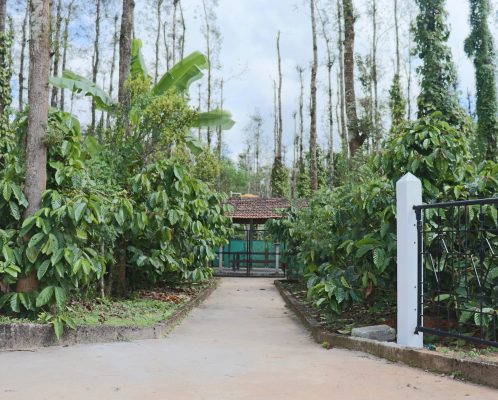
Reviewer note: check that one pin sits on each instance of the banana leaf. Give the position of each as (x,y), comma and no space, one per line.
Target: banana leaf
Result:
(79,84)
(138,68)
(181,76)
(213,119)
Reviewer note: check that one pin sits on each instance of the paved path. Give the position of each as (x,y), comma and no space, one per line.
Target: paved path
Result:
(241,344)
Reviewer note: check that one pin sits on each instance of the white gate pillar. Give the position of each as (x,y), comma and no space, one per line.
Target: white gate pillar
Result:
(408,194)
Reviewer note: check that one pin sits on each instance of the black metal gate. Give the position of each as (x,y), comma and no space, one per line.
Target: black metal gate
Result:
(458,270)
(249,253)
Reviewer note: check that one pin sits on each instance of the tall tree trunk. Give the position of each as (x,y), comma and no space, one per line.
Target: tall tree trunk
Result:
(184,31)
(125,42)
(24,41)
(38,91)
(375,76)
(4,62)
(279,131)
(396,34)
(95,66)
(330,108)
(166,46)
(113,66)
(65,44)
(355,139)
(158,39)
(219,132)
(56,50)
(173,32)
(341,90)
(295,148)
(209,77)
(275,119)
(300,71)
(313,89)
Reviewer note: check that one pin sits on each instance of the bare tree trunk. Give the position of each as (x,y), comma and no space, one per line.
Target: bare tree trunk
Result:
(300,71)
(355,140)
(173,36)
(219,132)
(396,33)
(166,47)
(113,66)
(279,131)
(199,106)
(95,66)
(4,62)
(208,54)
(56,50)
(125,42)
(330,108)
(275,119)
(36,152)
(65,44)
(158,39)
(21,61)
(184,30)
(376,113)
(409,77)
(313,89)
(342,114)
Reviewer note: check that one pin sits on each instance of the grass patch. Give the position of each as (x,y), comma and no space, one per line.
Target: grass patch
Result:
(134,313)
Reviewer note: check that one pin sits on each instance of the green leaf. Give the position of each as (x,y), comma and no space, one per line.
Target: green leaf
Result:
(78,84)
(14,210)
(182,75)
(442,297)
(5,298)
(93,147)
(213,119)
(7,190)
(35,239)
(58,328)
(60,297)
(15,303)
(137,69)
(45,296)
(42,269)
(78,211)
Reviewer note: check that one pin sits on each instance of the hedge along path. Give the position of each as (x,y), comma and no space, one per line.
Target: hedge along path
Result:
(242,343)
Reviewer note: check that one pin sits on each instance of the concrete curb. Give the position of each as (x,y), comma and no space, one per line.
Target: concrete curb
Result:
(475,371)
(26,336)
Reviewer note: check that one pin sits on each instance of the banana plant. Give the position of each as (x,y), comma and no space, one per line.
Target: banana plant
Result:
(179,79)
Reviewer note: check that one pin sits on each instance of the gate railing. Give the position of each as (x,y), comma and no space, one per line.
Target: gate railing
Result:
(447,267)
(457,267)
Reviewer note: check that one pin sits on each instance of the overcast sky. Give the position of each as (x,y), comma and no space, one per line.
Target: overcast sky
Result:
(248,53)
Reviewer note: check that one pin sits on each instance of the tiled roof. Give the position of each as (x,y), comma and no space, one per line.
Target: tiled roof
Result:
(257,208)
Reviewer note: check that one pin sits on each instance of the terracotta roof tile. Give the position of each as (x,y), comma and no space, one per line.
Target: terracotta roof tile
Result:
(257,208)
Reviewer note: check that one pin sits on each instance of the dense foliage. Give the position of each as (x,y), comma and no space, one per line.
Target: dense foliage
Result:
(479,46)
(119,212)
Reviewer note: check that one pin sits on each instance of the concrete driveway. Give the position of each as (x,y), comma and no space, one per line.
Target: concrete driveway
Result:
(242,343)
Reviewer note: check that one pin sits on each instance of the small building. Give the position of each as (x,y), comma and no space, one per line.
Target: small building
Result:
(251,252)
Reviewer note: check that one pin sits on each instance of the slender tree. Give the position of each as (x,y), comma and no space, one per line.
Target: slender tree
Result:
(181,45)
(340,74)
(113,64)
(125,41)
(313,89)
(330,108)
(438,86)
(24,41)
(5,64)
(38,91)
(375,78)
(95,59)
(279,100)
(479,46)
(355,139)
(397,102)
(207,35)
(56,45)
(300,71)
(159,4)
(173,30)
(65,44)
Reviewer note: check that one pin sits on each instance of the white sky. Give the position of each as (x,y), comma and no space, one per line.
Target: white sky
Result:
(248,53)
